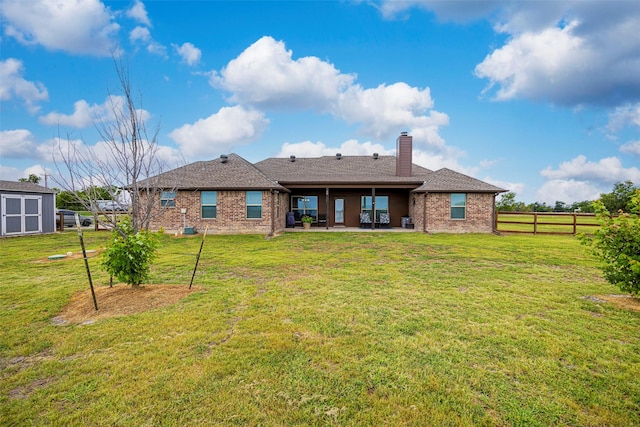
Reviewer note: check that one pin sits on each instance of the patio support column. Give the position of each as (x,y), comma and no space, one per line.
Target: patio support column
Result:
(373,208)
(326,208)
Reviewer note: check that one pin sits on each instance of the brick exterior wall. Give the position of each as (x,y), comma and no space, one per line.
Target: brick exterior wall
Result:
(231,214)
(479,216)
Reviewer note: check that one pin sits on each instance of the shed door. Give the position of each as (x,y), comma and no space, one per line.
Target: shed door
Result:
(21,214)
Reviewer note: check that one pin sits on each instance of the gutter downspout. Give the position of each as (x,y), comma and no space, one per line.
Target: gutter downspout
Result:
(273,212)
(494,217)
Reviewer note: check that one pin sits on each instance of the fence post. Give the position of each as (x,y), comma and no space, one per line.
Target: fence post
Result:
(575,219)
(535,223)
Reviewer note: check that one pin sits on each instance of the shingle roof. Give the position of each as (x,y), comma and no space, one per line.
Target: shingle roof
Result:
(24,187)
(346,170)
(235,173)
(445,181)
(277,173)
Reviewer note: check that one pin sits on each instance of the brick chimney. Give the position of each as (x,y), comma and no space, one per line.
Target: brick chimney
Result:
(404,149)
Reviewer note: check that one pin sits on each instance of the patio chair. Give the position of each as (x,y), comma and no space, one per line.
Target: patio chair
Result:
(365,220)
(385,220)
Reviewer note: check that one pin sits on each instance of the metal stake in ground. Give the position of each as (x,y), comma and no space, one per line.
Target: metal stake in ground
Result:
(86,261)
(198,256)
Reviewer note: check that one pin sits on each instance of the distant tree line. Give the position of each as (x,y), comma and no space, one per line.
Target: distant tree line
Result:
(79,200)
(620,199)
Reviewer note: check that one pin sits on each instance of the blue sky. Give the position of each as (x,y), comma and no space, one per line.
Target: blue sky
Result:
(541,98)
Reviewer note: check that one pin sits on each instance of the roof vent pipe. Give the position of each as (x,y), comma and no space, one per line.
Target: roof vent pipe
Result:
(224,158)
(375,156)
(292,158)
(338,156)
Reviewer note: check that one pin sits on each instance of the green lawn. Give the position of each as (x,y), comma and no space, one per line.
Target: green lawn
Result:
(325,329)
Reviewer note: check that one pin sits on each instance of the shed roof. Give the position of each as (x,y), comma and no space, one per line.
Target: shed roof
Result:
(446,181)
(24,187)
(233,174)
(334,170)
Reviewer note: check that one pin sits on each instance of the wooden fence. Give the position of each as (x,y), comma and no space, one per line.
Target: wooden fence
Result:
(545,222)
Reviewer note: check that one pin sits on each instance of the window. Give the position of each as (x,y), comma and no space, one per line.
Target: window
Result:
(458,205)
(168,199)
(254,204)
(382,206)
(208,203)
(304,205)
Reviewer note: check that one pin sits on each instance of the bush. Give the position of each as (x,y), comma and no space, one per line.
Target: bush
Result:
(128,255)
(617,244)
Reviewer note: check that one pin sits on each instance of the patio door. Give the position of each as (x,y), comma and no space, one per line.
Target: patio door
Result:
(339,212)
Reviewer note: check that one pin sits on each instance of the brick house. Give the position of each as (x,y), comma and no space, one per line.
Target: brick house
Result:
(232,195)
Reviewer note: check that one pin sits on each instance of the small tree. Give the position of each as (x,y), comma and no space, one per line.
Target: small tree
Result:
(32,178)
(620,197)
(617,244)
(129,254)
(508,203)
(129,162)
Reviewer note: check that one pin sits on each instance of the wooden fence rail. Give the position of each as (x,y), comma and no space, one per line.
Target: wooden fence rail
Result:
(544,222)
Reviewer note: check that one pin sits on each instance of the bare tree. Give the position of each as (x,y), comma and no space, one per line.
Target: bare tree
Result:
(125,162)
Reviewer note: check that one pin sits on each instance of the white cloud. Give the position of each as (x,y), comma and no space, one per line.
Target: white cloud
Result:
(16,143)
(385,109)
(569,191)
(229,127)
(568,53)
(85,115)
(156,48)
(449,10)
(622,116)
(631,148)
(74,26)
(139,13)
(318,149)
(608,170)
(13,85)
(189,53)
(516,187)
(10,173)
(541,66)
(265,75)
(579,179)
(140,34)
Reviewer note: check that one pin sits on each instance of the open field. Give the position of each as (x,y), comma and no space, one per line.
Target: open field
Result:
(324,329)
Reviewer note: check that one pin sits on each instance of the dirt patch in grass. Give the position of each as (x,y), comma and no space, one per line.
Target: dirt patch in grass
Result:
(25,391)
(621,301)
(120,300)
